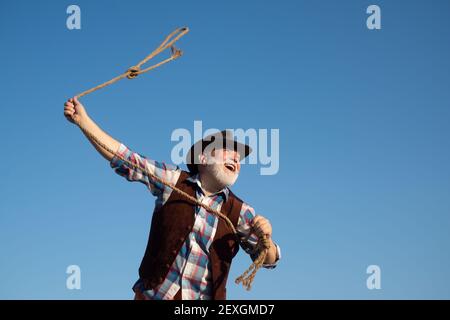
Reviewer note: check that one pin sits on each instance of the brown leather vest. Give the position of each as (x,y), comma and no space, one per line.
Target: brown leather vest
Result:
(172,223)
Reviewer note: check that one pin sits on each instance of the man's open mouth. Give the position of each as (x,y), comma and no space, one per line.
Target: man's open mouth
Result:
(231,167)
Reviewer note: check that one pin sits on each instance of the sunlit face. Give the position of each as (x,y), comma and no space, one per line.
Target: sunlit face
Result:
(223,166)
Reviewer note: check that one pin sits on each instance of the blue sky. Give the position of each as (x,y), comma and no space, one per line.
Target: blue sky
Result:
(364,127)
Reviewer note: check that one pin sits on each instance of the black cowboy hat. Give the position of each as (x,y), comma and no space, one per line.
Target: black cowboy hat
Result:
(219,140)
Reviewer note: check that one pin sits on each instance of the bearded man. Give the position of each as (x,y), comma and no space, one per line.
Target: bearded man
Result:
(189,250)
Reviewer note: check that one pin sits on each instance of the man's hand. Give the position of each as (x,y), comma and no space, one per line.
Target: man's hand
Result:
(261,226)
(74,111)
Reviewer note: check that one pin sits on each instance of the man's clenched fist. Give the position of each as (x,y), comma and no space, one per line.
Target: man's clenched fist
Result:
(261,226)
(74,110)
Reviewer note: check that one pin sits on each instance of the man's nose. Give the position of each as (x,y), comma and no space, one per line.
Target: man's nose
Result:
(232,155)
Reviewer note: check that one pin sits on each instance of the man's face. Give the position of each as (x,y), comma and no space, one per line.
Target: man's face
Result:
(223,166)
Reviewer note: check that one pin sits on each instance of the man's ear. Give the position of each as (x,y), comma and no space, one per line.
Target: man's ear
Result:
(202,159)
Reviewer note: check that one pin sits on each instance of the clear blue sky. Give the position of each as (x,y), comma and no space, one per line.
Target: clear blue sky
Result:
(364,140)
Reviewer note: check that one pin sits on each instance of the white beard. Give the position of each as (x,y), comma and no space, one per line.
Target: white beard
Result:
(221,175)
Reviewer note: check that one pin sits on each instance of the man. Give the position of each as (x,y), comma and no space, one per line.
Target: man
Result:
(189,251)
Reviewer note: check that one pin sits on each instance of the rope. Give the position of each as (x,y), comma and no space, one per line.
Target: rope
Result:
(263,244)
(134,71)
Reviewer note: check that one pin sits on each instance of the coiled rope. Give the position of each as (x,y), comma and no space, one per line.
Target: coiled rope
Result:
(263,244)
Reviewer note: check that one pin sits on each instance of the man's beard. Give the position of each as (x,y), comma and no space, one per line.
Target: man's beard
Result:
(222,176)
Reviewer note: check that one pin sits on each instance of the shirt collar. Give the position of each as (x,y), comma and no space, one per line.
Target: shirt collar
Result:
(196,179)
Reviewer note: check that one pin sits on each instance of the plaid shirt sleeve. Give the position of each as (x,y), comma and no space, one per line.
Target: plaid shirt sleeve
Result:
(162,170)
(248,239)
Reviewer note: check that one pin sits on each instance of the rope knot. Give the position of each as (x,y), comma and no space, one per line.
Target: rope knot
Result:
(133,72)
(176,53)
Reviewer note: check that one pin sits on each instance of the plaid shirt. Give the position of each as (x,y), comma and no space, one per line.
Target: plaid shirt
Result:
(191,269)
